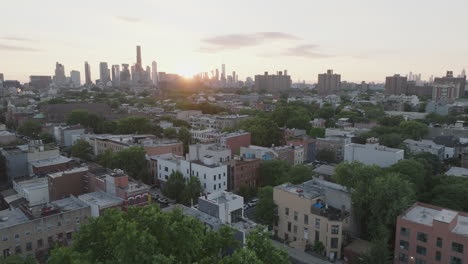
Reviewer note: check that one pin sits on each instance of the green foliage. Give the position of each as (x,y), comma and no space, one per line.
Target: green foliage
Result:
(247,192)
(318,247)
(206,108)
(186,138)
(134,125)
(412,171)
(145,235)
(392,140)
(30,129)
(192,190)
(299,174)
(413,129)
(46,138)
(274,172)
(170,133)
(326,112)
(178,189)
(292,117)
(3,169)
(86,119)
(264,131)
(82,149)
(327,155)
(265,212)
(18,259)
(391,121)
(132,161)
(316,132)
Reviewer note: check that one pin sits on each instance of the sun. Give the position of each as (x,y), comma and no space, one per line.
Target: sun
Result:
(187,70)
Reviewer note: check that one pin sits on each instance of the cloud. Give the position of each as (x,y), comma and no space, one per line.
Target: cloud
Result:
(307,51)
(11,38)
(237,41)
(129,19)
(17,48)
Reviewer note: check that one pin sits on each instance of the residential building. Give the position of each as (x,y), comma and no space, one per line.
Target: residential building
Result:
(234,141)
(7,137)
(39,82)
(328,83)
(311,212)
(212,177)
(35,191)
(425,145)
(396,84)
(43,166)
(58,113)
(308,145)
(333,144)
(218,153)
(243,171)
(104,73)
(186,114)
(457,171)
(453,147)
(431,234)
(35,230)
(75,79)
(67,135)
(273,83)
(372,153)
(100,201)
(449,87)
(66,183)
(226,206)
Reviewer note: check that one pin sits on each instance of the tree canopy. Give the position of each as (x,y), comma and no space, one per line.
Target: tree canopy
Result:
(82,149)
(30,128)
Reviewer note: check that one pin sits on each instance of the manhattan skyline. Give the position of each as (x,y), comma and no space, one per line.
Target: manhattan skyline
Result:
(187,37)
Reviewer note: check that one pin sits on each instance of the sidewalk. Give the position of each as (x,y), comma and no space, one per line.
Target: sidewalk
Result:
(300,257)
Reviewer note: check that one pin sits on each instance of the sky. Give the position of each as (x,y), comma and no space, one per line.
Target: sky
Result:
(363,40)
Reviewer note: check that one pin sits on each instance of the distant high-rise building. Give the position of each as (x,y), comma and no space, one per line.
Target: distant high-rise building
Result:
(154,73)
(104,73)
(59,77)
(217,75)
(396,84)
(138,65)
(223,72)
(272,83)
(463,73)
(328,83)
(2,78)
(75,78)
(115,75)
(448,87)
(234,77)
(87,73)
(39,82)
(125,75)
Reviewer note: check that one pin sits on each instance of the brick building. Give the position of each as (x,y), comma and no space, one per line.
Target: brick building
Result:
(431,234)
(65,183)
(235,141)
(243,171)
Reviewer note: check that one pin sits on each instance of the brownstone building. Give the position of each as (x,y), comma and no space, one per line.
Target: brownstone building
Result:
(243,171)
(65,183)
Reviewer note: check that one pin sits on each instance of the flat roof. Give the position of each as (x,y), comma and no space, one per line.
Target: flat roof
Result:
(33,183)
(12,217)
(374,147)
(100,199)
(50,161)
(213,222)
(457,171)
(325,170)
(61,173)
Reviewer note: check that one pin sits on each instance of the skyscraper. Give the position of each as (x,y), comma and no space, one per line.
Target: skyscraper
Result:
(154,72)
(75,78)
(116,75)
(125,75)
(87,73)
(396,84)
(59,77)
(328,83)
(272,83)
(138,63)
(2,79)
(217,75)
(104,72)
(223,72)
(234,76)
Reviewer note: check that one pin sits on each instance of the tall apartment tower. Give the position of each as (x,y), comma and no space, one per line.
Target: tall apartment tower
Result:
(59,77)
(396,84)
(154,73)
(139,66)
(75,78)
(87,73)
(217,75)
(448,87)
(116,75)
(104,72)
(223,72)
(273,83)
(125,75)
(328,83)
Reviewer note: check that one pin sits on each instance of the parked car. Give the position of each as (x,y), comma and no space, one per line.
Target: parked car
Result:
(154,196)
(253,202)
(163,200)
(246,206)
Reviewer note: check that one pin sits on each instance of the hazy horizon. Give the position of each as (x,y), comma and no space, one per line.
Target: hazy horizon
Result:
(363,41)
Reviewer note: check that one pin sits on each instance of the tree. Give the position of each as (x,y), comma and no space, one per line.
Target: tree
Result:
(105,159)
(259,242)
(391,121)
(413,129)
(317,132)
(392,140)
(3,169)
(242,256)
(326,112)
(318,247)
(274,172)
(192,191)
(46,138)
(82,149)
(175,186)
(18,259)
(327,155)
(132,161)
(299,174)
(170,133)
(30,129)
(186,138)
(265,212)
(134,125)
(264,131)
(247,192)
(412,171)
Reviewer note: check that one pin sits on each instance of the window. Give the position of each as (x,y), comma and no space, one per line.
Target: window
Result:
(59,223)
(204,176)
(27,233)
(39,229)
(28,246)
(455,260)
(295,215)
(49,227)
(214,178)
(17,236)
(5,238)
(214,186)
(421,250)
(457,247)
(60,236)
(40,243)
(317,222)
(204,185)
(334,242)
(420,261)
(403,257)
(18,249)
(438,256)
(69,235)
(289,226)
(404,244)
(219,185)
(219,176)
(306,219)
(422,237)
(166,169)
(77,220)
(286,211)
(335,229)
(224,183)
(295,229)
(404,232)
(439,242)
(286,236)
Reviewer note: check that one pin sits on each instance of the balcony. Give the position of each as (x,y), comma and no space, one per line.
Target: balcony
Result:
(329,212)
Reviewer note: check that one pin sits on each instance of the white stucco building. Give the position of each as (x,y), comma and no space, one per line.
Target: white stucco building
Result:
(372,153)
(35,191)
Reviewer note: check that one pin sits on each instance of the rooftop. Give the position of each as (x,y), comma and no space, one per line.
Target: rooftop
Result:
(74,170)
(325,170)
(427,214)
(376,147)
(50,161)
(38,182)
(101,199)
(457,171)
(221,197)
(424,143)
(12,217)
(213,222)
